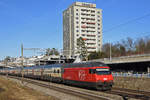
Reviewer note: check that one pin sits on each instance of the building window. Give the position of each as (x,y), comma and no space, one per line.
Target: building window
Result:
(92,11)
(83,22)
(77,18)
(77,34)
(98,20)
(77,26)
(83,30)
(76,13)
(98,28)
(77,22)
(77,30)
(98,32)
(83,34)
(98,12)
(98,24)
(76,9)
(98,16)
(82,10)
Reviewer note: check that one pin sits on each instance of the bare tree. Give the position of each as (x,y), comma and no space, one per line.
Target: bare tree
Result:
(147,48)
(129,44)
(124,48)
(106,49)
(140,46)
(6,60)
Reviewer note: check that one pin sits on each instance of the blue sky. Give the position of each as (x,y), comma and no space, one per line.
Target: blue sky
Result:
(38,23)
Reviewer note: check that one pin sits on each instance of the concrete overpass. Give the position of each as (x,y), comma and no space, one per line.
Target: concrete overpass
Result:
(2,65)
(125,59)
(135,63)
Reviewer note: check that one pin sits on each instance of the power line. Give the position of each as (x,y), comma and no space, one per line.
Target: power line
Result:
(128,22)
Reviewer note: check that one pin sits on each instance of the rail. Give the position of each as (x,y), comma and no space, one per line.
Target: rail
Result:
(81,94)
(92,95)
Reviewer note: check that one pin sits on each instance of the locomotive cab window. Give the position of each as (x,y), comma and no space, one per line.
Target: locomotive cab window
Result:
(103,71)
(91,71)
(62,70)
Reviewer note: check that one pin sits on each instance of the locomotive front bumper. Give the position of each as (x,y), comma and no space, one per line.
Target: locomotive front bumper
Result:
(105,83)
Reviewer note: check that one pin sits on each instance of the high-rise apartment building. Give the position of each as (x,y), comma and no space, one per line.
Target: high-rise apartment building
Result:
(82,20)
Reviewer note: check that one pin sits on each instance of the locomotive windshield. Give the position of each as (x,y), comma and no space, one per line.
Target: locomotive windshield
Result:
(103,71)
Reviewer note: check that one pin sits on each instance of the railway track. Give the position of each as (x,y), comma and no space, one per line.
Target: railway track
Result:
(93,95)
(144,95)
(81,94)
(127,93)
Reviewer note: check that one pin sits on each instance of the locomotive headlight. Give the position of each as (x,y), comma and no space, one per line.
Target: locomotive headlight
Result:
(105,79)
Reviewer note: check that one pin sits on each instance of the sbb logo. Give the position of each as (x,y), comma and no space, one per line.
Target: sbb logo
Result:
(82,75)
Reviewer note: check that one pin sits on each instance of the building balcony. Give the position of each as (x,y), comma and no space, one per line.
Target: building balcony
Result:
(92,28)
(88,15)
(91,35)
(88,31)
(90,22)
(83,26)
(91,44)
(91,40)
(91,47)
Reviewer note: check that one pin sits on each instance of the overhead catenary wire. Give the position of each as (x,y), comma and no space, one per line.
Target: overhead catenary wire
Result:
(128,22)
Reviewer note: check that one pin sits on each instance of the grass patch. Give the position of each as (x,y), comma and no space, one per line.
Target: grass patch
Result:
(10,90)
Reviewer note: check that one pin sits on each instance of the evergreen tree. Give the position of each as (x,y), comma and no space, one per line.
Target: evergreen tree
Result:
(82,49)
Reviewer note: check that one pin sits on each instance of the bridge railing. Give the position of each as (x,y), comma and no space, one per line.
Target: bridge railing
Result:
(137,75)
(123,57)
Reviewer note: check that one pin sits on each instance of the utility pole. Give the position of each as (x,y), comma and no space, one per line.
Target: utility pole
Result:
(22,63)
(5,65)
(22,54)
(110,51)
(148,70)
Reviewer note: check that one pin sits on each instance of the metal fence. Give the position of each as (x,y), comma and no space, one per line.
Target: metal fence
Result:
(137,75)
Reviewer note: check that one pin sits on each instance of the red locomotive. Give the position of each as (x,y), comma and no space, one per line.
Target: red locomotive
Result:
(90,74)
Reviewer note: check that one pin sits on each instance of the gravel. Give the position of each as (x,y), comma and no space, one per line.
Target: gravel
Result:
(63,96)
(47,91)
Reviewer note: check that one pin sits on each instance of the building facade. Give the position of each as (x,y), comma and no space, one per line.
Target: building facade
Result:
(82,20)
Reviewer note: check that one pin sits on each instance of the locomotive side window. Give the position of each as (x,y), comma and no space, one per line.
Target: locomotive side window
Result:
(103,71)
(63,70)
(58,71)
(54,71)
(91,71)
